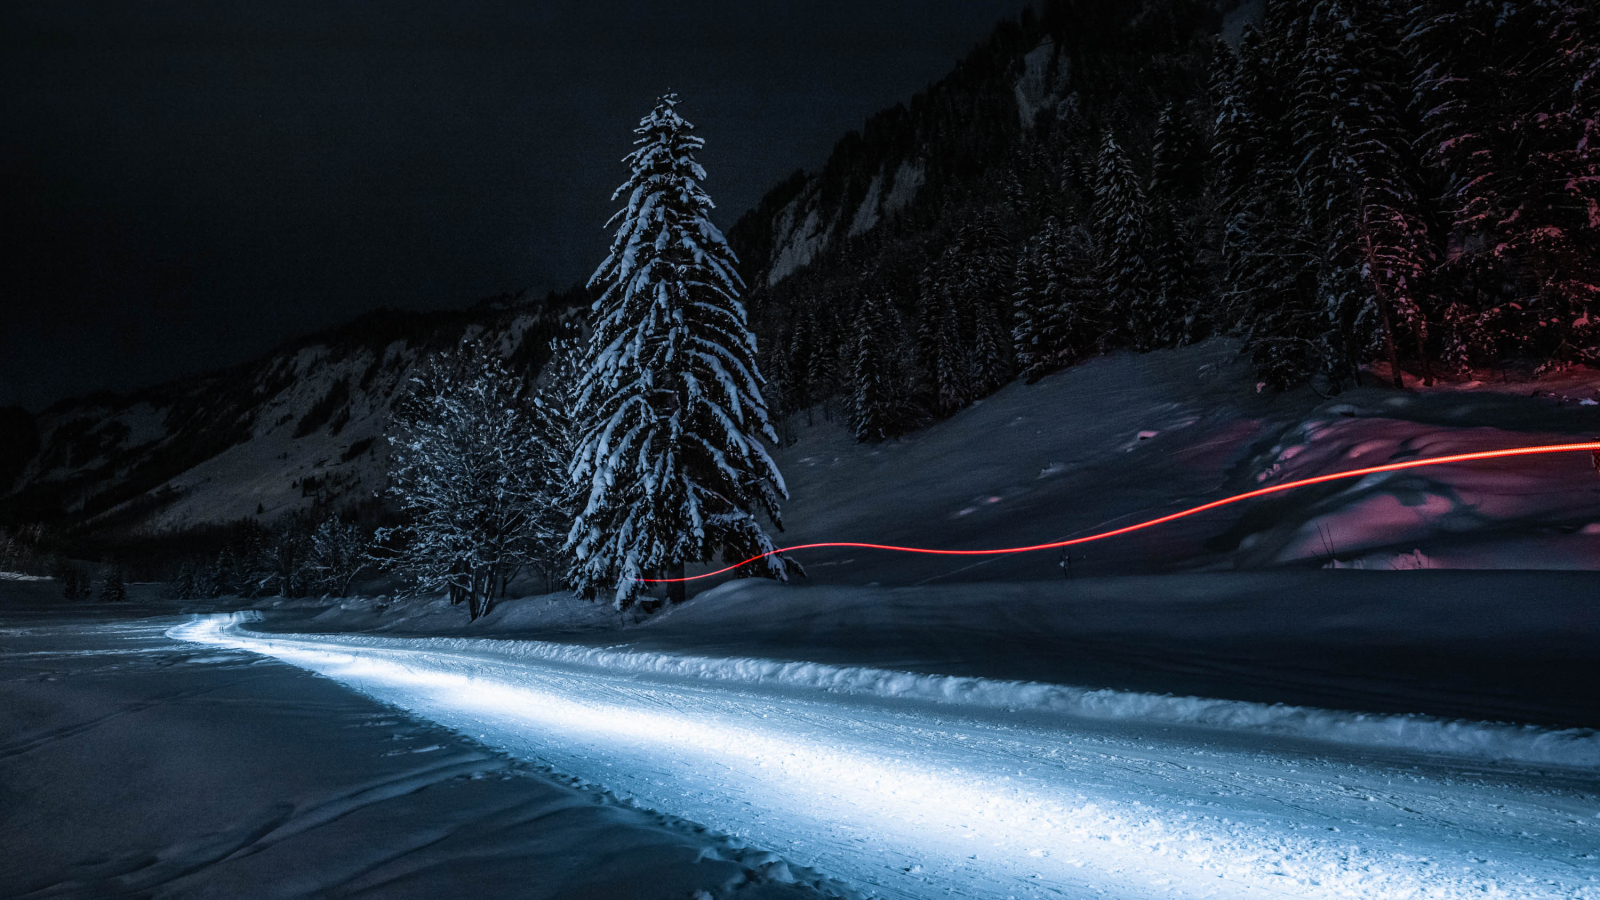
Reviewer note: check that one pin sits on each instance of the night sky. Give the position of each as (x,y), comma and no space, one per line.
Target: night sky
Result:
(186,184)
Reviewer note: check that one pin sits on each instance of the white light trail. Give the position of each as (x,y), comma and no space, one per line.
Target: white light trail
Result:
(909,802)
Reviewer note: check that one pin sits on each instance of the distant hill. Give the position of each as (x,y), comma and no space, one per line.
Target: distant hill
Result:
(298,426)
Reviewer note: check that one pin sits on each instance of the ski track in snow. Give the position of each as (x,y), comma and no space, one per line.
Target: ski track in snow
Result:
(1095,793)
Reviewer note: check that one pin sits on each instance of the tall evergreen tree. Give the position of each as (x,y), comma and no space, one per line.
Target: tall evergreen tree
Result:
(875,396)
(1269,258)
(780,390)
(111,588)
(1124,227)
(946,363)
(803,341)
(1510,95)
(823,361)
(1177,177)
(338,552)
(1057,291)
(1356,173)
(671,453)
(1177,160)
(983,263)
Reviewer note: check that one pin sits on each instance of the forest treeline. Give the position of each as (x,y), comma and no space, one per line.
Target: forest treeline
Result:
(1412,182)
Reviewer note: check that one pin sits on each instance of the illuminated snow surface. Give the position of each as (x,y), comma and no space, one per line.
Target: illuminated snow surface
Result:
(897,795)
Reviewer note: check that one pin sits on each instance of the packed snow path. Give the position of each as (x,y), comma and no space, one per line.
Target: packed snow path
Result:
(908,798)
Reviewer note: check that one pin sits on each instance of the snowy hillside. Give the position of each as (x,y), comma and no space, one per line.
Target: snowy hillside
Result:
(299,426)
(1128,437)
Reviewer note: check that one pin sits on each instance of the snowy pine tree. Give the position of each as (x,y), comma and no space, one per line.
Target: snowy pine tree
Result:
(780,391)
(946,366)
(222,576)
(1177,161)
(111,588)
(1177,177)
(982,267)
(186,586)
(803,348)
(1124,230)
(1057,290)
(671,454)
(824,363)
(875,402)
(281,564)
(1269,284)
(1354,171)
(1509,93)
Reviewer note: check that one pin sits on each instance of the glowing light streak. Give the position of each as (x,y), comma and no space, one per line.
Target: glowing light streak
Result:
(941,809)
(1592,446)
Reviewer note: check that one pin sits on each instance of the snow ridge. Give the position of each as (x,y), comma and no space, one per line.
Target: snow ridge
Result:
(1505,742)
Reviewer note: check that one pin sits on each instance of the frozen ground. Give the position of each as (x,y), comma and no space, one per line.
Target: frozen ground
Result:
(133,765)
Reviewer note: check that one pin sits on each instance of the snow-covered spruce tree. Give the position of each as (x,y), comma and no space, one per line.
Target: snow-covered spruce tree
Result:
(1030,309)
(222,576)
(111,588)
(804,348)
(464,470)
(828,360)
(338,552)
(1509,93)
(984,266)
(1177,178)
(1355,171)
(945,360)
(13,551)
(1123,219)
(187,585)
(75,584)
(1056,291)
(1269,284)
(671,452)
(1177,161)
(780,389)
(875,401)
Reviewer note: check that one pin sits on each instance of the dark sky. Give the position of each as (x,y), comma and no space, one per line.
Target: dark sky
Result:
(183,185)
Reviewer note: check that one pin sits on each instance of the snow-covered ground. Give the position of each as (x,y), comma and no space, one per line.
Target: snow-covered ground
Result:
(911,787)
(1127,437)
(133,765)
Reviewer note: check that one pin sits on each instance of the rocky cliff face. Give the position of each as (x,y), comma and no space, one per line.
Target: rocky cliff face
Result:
(1071,63)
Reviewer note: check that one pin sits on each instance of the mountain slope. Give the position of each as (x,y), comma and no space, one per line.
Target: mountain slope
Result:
(1070,68)
(300,426)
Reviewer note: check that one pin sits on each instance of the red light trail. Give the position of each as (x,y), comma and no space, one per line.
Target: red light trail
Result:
(1592,446)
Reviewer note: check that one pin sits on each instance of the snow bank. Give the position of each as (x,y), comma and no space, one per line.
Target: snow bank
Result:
(1578,748)
(1459,516)
(559,612)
